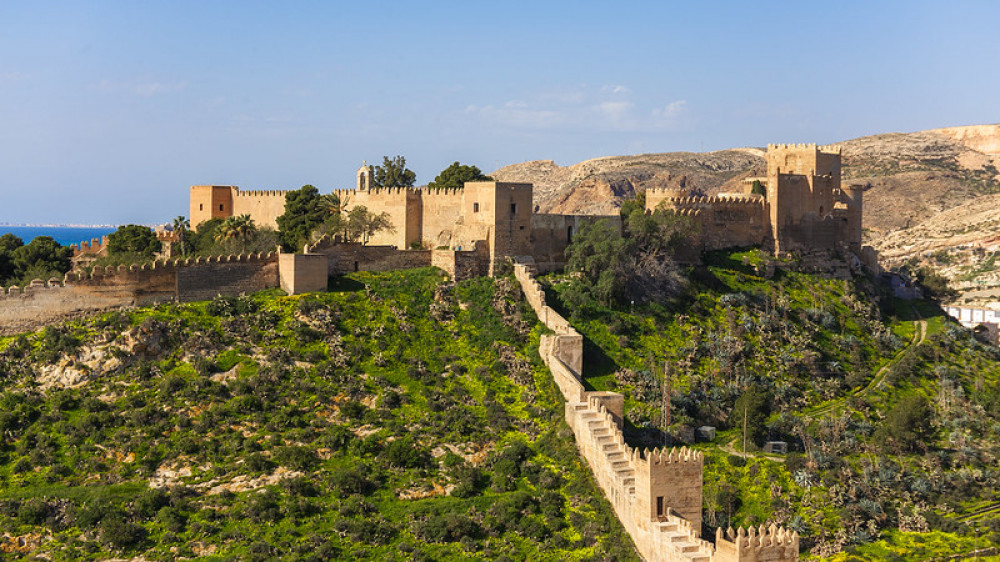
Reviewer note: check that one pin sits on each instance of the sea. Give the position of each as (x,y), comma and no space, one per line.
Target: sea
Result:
(65,235)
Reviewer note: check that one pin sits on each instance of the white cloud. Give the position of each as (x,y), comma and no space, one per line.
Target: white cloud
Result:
(672,109)
(579,109)
(139,88)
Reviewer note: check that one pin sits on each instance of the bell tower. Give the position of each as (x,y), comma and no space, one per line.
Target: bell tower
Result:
(364,177)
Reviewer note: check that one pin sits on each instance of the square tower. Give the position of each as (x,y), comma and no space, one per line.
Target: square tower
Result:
(500,214)
(210,202)
(803,183)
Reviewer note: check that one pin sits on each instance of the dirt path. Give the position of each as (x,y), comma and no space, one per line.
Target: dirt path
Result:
(919,335)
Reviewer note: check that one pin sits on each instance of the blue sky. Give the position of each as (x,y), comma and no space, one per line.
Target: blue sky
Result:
(109,111)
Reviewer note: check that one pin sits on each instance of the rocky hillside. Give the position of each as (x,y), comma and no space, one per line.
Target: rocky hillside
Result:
(597,186)
(890,410)
(397,417)
(925,187)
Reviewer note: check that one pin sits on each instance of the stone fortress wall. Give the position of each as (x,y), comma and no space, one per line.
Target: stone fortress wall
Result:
(104,288)
(496,218)
(656,494)
(805,207)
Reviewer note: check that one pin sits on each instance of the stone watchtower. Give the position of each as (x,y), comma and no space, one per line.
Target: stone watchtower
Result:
(803,184)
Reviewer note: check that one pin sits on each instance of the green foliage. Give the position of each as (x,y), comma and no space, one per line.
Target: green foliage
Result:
(133,239)
(393,173)
(8,243)
(302,426)
(42,258)
(631,265)
(935,285)
(456,175)
(304,212)
(750,411)
(891,411)
(362,224)
(909,424)
(757,188)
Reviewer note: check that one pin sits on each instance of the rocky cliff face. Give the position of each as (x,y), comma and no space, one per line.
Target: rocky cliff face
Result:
(598,186)
(982,138)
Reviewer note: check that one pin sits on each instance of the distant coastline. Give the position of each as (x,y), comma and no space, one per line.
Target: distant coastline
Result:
(64,234)
(33,225)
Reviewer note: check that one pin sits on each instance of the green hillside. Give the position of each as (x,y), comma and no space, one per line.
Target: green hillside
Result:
(397,416)
(400,416)
(891,412)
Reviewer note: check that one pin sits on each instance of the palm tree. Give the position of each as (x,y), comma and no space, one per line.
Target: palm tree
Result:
(181,226)
(237,228)
(334,202)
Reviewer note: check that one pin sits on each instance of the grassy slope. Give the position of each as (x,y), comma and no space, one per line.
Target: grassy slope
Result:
(832,363)
(390,422)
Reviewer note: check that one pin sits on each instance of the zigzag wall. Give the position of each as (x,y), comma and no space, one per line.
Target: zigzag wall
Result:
(104,288)
(656,494)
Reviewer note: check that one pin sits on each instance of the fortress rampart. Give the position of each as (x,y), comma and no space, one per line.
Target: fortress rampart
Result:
(656,494)
(104,288)
(804,209)
(94,246)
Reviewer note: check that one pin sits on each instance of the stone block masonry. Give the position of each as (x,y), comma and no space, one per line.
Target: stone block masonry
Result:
(105,288)
(656,494)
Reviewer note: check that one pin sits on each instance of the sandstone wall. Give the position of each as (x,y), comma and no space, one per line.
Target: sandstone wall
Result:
(657,495)
(402,204)
(263,206)
(105,288)
(441,217)
(461,265)
(303,273)
(345,258)
(228,275)
(720,221)
(210,201)
(551,234)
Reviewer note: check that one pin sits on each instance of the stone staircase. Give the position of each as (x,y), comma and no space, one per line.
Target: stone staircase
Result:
(680,540)
(614,453)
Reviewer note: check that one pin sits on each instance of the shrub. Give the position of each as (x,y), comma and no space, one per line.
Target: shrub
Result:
(402,453)
(149,502)
(34,511)
(351,480)
(299,458)
(121,534)
(449,527)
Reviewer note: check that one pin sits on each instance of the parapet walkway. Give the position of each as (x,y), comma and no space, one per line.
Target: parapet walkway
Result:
(656,494)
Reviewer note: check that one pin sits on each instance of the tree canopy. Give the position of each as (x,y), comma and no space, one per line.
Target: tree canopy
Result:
(8,243)
(456,175)
(393,173)
(41,259)
(633,263)
(133,239)
(362,224)
(304,213)
(181,227)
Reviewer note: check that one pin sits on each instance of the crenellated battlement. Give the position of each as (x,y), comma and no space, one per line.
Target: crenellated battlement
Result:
(237,192)
(728,200)
(772,543)
(94,246)
(442,191)
(660,456)
(829,149)
(655,493)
